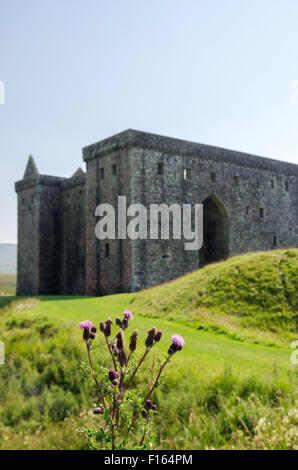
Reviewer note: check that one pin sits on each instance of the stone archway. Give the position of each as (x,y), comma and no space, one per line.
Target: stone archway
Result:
(215,231)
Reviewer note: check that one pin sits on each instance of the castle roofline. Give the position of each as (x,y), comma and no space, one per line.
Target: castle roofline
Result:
(170,145)
(37,179)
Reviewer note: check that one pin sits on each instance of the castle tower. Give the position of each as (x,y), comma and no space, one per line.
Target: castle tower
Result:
(38,232)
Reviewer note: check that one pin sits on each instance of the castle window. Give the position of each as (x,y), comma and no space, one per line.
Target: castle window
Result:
(32,197)
(261,212)
(247,210)
(107,250)
(274,241)
(187,173)
(272,183)
(23,202)
(287,186)
(213,177)
(102,173)
(114,169)
(258,184)
(160,168)
(236,180)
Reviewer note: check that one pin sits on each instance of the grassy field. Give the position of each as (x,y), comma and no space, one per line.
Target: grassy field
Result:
(7,284)
(237,318)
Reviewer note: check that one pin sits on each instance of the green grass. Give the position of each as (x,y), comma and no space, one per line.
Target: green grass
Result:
(7,284)
(233,370)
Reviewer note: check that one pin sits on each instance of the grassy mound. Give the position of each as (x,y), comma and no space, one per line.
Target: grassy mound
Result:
(255,290)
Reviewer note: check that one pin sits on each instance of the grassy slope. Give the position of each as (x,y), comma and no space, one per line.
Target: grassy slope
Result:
(254,293)
(43,349)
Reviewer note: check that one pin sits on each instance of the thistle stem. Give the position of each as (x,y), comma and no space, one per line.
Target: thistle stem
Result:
(137,368)
(149,394)
(94,376)
(109,348)
(145,431)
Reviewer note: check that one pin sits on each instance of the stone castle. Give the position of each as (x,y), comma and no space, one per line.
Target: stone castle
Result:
(250,203)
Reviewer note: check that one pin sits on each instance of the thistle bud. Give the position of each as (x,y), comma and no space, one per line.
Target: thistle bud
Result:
(108,328)
(150,337)
(157,336)
(102,326)
(120,342)
(115,350)
(86,334)
(124,323)
(133,341)
(148,404)
(122,357)
(93,329)
(118,321)
(154,407)
(115,382)
(112,375)
(92,335)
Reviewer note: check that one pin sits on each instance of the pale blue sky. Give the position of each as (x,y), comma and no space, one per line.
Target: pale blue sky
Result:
(77,71)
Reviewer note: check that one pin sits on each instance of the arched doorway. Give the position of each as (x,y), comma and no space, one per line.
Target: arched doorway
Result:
(215,231)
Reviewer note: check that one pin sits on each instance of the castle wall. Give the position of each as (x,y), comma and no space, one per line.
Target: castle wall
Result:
(39,220)
(28,241)
(108,262)
(73,228)
(260,202)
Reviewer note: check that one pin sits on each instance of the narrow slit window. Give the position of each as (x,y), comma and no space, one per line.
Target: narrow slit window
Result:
(274,240)
(272,183)
(236,180)
(114,169)
(187,173)
(102,173)
(287,186)
(107,250)
(258,184)
(213,177)
(247,210)
(261,212)
(160,168)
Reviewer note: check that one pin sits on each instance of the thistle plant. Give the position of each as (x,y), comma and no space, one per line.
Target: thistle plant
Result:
(123,412)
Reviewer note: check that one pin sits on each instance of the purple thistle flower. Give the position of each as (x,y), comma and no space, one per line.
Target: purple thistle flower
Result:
(98,410)
(86,324)
(177,344)
(178,341)
(127,314)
